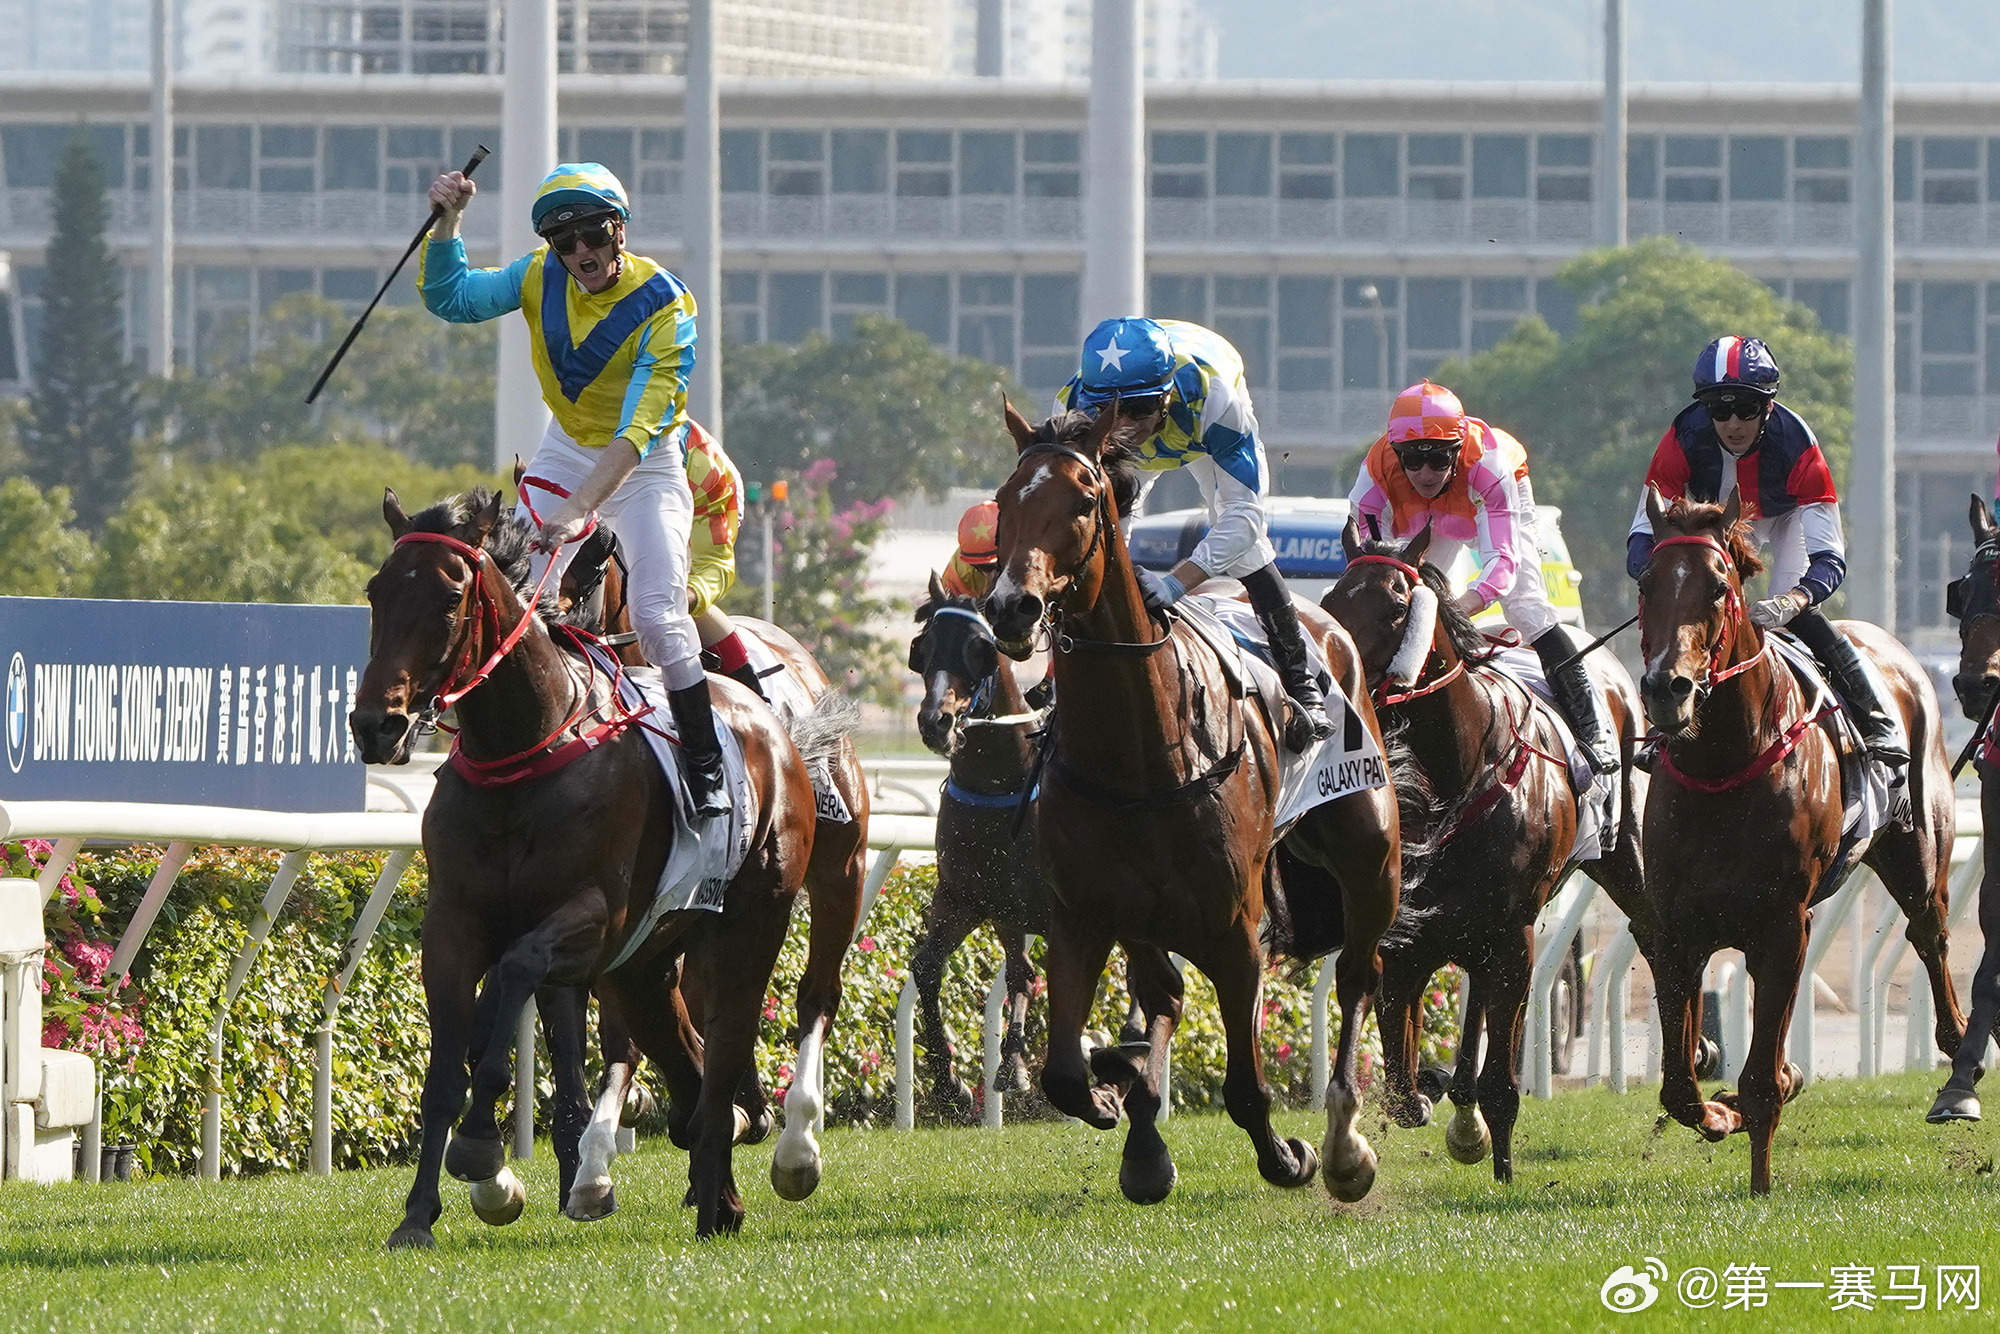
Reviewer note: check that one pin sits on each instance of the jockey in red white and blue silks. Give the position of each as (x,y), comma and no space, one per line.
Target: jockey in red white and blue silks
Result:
(1469,481)
(1183,402)
(612,337)
(1736,436)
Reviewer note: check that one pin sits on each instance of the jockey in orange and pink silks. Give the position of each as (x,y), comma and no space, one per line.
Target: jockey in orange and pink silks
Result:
(1469,480)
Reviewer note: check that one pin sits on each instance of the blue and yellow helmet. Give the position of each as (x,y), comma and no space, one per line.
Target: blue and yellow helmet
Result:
(1129,358)
(578,190)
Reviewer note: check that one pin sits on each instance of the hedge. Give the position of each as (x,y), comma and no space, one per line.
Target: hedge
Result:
(150,1036)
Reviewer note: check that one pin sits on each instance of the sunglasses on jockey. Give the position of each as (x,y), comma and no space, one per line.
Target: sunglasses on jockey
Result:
(1442,457)
(1736,406)
(595,233)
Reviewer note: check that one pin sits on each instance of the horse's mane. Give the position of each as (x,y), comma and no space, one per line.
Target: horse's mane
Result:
(507,545)
(1695,517)
(1119,459)
(1470,643)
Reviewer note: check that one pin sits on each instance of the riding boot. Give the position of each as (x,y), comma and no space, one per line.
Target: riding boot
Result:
(701,753)
(1280,619)
(747,675)
(1577,697)
(1836,653)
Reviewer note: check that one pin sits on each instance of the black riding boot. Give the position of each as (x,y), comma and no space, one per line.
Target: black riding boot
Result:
(1576,696)
(701,753)
(1836,653)
(1273,604)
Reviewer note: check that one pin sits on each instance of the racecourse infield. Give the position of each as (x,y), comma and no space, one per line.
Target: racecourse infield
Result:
(964,1228)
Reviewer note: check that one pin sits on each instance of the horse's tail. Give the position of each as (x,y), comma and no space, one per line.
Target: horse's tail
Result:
(820,731)
(1424,820)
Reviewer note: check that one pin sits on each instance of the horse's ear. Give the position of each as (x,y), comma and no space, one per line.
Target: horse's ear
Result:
(1100,429)
(937,590)
(392,510)
(1983,527)
(1017,425)
(1656,508)
(1419,546)
(1350,538)
(486,520)
(520,471)
(1732,511)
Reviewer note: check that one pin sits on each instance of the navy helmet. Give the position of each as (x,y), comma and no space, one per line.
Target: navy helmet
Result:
(1129,357)
(1736,363)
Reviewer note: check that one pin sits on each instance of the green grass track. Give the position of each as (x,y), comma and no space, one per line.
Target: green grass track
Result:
(1025,1228)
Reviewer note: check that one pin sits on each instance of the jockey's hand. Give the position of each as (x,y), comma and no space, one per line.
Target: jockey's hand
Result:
(1158,591)
(1470,602)
(1771,613)
(563,527)
(452,192)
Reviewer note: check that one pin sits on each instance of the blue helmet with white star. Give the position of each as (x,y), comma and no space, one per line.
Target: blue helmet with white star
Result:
(1124,358)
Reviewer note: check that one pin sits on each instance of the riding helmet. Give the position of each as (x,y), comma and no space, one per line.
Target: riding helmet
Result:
(577,190)
(1731,362)
(1129,357)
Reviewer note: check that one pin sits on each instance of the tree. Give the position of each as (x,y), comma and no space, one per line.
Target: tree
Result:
(41,556)
(1591,408)
(895,413)
(80,424)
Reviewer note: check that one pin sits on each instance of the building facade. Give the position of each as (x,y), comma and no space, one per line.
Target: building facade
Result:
(1050,39)
(1345,237)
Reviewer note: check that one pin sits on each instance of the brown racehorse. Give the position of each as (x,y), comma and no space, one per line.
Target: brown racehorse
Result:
(1743,822)
(1154,818)
(834,878)
(1506,824)
(534,883)
(1976,604)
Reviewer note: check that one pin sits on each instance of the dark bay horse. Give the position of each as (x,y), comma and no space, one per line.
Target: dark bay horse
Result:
(1743,820)
(1976,604)
(1154,820)
(535,881)
(1505,825)
(594,583)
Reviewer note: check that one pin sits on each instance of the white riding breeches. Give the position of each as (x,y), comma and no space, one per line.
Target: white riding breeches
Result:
(652,513)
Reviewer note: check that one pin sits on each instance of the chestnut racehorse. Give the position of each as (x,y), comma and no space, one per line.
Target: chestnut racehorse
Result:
(1506,825)
(1154,819)
(1743,821)
(540,868)
(1976,604)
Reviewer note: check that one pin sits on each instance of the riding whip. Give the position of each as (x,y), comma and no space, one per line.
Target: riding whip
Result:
(1592,646)
(1978,733)
(471,165)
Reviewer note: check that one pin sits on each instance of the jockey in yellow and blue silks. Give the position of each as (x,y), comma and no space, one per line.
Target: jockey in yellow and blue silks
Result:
(1183,399)
(612,337)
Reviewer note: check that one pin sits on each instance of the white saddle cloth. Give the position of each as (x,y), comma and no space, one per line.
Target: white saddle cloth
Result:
(1871,793)
(792,699)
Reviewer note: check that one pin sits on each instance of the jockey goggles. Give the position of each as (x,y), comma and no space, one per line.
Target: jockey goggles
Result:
(1441,458)
(595,233)
(1737,406)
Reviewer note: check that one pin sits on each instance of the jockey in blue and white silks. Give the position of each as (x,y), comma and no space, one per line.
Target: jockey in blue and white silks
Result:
(613,342)
(1184,403)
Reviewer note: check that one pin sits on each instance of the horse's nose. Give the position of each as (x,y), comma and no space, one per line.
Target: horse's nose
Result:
(1973,692)
(935,729)
(378,734)
(1682,687)
(1016,616)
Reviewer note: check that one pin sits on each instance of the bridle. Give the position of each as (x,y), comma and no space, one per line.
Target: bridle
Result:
(1715,673)
(982,694)
(1384,696)
(1052,612)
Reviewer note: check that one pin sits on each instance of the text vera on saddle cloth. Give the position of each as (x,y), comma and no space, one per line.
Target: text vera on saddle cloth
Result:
(790,695)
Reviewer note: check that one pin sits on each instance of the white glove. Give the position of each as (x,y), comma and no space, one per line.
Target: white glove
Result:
(1770,613)
(563,527)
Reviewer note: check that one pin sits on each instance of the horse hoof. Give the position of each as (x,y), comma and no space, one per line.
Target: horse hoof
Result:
(1795,1081)
(1414,1112)
(742,1124)
(1306,1164)
(1707,1059)
(1953,1105)
(639,1103)
(1117,1066)
(411,1237)
(475,1159)
(1149,1178)
(757,1129)
(588,1203)
(500,1201)
(1718,1122)
(796,1181)
(1353,1184)
(1466,1138)
(1434,1081)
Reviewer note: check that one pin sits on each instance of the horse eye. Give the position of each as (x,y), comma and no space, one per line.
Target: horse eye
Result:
(1085,503)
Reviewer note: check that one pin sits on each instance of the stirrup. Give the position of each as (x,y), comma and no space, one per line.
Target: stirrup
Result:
(1305,725)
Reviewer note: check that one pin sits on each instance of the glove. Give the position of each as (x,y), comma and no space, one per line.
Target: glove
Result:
(563,527)
(1159,591)
(1770,613)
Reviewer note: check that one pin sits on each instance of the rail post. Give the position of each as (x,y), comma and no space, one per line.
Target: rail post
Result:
(995,1032)
(397,862)
(260,926)
(1322,1057)
(906,1056)
(524,1083)
(1825,926)
(1570,904)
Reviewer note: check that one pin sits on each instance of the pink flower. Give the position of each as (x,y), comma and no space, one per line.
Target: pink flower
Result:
(771,1008)
(1284,1051)
(868,944)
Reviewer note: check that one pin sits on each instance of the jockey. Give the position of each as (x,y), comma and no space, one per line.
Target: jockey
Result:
(970,573)
(1182,396)
(1469,481)
(612,336)
(718,512)
(1736,436)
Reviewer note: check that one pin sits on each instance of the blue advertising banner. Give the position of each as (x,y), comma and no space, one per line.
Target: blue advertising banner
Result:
(190,703)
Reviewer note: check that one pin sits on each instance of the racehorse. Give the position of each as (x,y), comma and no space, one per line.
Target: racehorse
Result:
(1154,818)
(594,586)
(1975,601)
(544,838)
(1502,840)
(1743,826)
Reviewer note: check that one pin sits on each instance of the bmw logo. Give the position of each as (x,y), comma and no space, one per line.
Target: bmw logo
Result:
(17,713)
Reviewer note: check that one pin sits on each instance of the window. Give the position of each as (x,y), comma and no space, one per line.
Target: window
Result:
(1180,296)
(1437,166)
(1756,168)
(1243,166)
(416,154)
(1562,168)
(1180,166)
(660,156)
(1050,158)
(1050,336)
(986,163)
(798,163)
(1993,338)
(285,158)
(1243,316)
(986,317)
(1693,169)
(1498,304)
(1305,334)
(31,152)
(1820,170)
(855,295)
(1372,171)
(923,164)
(796,305)
(1906,340)
(1556,305)
(1951,170)
(742,161)
(1906,170)
(1368,334)
(222,157)
(1305,166)
(742,307)
(274,285)
(467,138)
(1500,166)
(1436,313)
(612,148)
(1642,166)
(860,162)
(923,301)
(141,174)
(1950,338)
(1993,168)
(1828,300)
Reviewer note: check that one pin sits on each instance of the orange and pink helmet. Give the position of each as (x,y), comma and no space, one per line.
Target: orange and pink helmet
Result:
(1426,411)
(978,531)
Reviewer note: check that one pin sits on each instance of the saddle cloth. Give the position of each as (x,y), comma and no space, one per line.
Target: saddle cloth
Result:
(1347,761)
(790,696)
(1597,795)
(1872,794)
(705,856)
